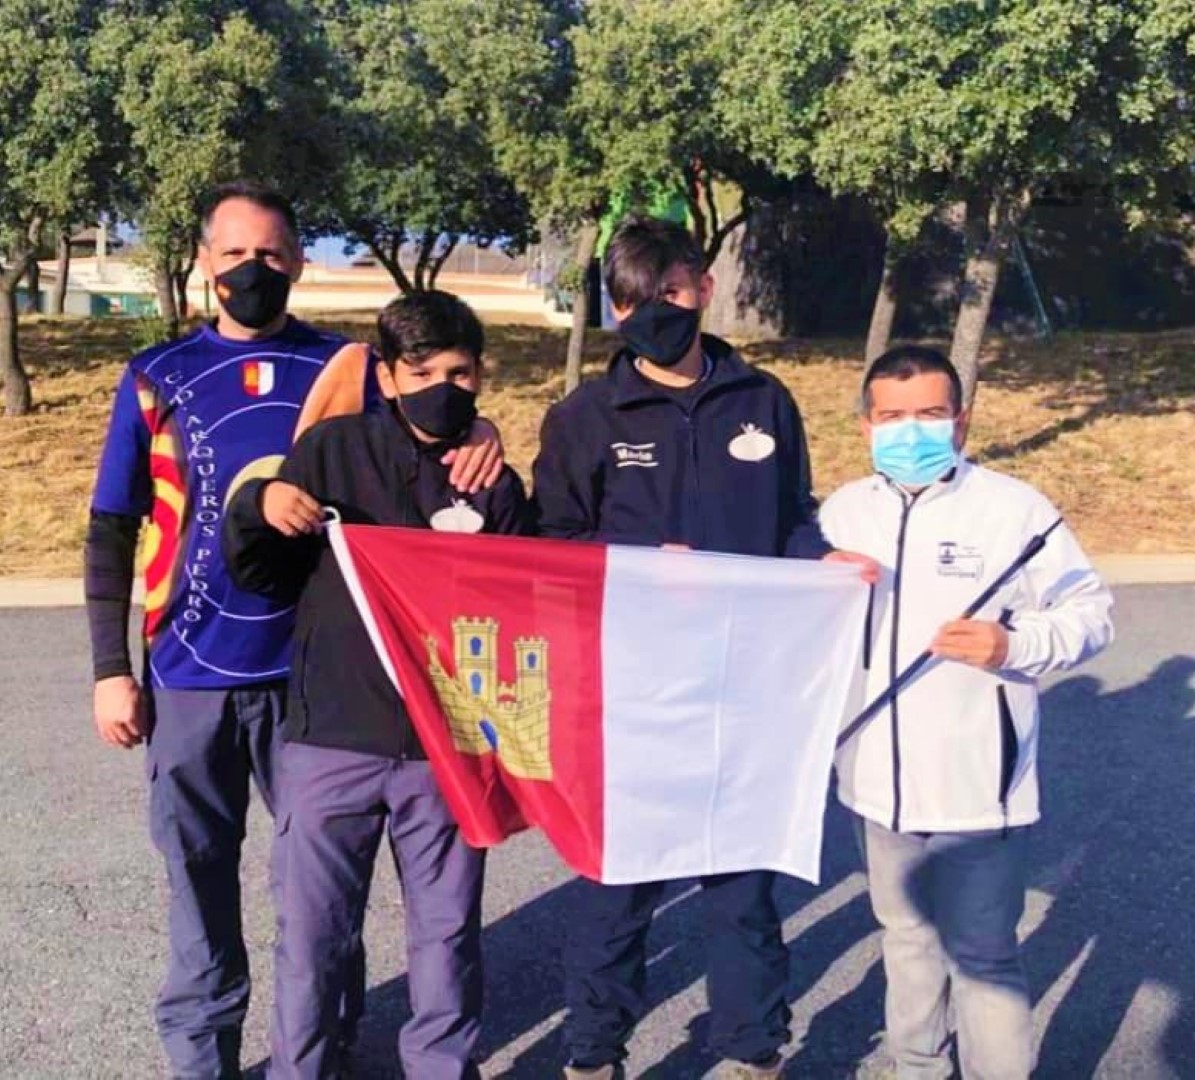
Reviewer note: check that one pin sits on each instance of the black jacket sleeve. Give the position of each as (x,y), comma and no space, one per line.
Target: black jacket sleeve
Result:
(801,536)
(259,558)
(109,555)
(566,491)
(509,511)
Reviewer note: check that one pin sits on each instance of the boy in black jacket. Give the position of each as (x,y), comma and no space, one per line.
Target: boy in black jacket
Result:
(352,765)
(681,444)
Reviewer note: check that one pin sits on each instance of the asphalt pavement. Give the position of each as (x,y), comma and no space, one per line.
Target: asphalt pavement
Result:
(1109,930)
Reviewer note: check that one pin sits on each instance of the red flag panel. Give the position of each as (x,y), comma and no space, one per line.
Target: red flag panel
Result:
(496,642)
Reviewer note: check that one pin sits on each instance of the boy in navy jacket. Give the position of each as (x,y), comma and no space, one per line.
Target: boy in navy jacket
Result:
(352,765)
(680,444)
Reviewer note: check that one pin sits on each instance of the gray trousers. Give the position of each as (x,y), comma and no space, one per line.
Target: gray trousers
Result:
(334,807)
(204,746)
(949,904)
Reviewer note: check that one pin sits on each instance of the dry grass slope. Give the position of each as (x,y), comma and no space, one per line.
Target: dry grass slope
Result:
(1104,425)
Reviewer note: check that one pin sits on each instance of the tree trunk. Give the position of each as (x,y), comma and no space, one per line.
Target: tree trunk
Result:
(17,397)
(58,296)
(586,245)
(709,230)
(33,285)
(439,261)
(713,247)
(696,184)
(883,313)
(180,279)
(390,260)
(986,251)
(167,306)
(427,248)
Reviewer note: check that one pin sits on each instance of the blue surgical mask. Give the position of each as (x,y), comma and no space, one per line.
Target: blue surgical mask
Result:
(914,452)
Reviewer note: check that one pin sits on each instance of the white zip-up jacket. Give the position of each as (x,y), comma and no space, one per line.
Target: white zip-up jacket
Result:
(956,750)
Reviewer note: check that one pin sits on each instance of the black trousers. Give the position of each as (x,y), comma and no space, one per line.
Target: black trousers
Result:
(605,964)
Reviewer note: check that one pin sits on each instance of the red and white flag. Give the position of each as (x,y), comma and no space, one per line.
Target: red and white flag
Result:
(657,714)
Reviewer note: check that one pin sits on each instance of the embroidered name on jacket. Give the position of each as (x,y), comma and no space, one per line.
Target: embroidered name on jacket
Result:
(640,455)
(959,560)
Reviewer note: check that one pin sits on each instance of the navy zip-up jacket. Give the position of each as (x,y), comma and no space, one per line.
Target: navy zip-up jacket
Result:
(374,472)
(719,466)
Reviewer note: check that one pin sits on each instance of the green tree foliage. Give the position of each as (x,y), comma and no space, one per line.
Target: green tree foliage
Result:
(612,103)
(208,92)
(652,83)
(414,170)
(513,65)
(52,150)
(931,104)
(418,122)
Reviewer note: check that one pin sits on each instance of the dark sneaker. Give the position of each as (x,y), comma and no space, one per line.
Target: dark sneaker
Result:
(744,1070)
(602,1072)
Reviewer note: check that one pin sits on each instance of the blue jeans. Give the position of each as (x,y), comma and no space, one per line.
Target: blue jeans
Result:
(605,964)
(949,904)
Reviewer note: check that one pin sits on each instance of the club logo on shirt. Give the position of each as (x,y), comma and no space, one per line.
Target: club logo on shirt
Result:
(257,377)
(638,455)
(460,517)
(959,560)
(752,444)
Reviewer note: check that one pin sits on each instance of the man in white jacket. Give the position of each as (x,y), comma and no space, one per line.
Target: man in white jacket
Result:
(943,779)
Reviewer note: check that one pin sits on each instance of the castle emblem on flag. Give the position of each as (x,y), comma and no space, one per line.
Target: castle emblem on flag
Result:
(486,715)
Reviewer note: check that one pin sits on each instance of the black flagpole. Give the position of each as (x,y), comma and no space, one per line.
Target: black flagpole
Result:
(1031,549)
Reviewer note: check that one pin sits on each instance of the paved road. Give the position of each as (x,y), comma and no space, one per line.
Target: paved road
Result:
(1110,927)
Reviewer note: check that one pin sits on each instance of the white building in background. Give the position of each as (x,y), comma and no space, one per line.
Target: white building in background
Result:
(98,283)
(102,285)
(96,288)
(363,288)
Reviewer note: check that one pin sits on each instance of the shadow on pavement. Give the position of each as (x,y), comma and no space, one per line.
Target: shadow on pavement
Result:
(1117,854)
(524,991)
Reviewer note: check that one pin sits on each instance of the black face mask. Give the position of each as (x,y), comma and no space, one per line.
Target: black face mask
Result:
(661,332)
(253,293)
(444,411)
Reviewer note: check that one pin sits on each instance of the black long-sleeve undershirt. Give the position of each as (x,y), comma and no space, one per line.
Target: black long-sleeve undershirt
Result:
(109,557)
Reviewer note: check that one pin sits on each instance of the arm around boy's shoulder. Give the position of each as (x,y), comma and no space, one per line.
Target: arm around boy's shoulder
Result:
(345,386)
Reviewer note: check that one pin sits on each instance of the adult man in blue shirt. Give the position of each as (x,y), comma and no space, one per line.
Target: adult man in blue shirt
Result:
(193,420)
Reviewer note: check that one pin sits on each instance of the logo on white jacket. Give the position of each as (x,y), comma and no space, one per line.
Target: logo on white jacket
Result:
(752,443)
(634,455)
(959,560)
(460,517)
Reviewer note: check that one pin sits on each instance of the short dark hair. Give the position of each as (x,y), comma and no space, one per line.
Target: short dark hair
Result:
(262,195)
(905,361)
(414,327)
(641,252)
